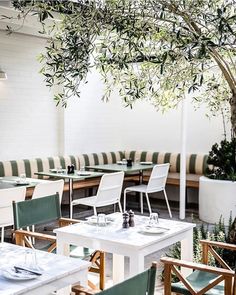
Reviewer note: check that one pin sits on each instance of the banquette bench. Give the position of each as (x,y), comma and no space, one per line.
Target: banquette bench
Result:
(195,165)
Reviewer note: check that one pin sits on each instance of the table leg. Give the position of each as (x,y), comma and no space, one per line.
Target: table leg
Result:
(70,195)
(136,264)
(62,247)
(187,251)
(118,268)
(140,176)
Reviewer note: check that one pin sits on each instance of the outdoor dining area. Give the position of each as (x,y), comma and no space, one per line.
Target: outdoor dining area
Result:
(87,241)
(117,147)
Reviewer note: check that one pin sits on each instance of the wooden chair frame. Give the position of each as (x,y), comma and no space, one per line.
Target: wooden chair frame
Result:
(97,258)
(80,290)
(225,273)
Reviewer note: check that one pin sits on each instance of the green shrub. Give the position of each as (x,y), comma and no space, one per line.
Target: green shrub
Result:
(220,232)
(222,161)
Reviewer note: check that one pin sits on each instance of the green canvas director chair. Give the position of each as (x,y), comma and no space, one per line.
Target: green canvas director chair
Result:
(140,284)
(44,210)
(204,279)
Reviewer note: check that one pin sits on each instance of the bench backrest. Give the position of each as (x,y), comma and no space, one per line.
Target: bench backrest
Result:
(195,164)
(31,166)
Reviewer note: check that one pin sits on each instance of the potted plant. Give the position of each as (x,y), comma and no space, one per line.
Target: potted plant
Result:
(218,189)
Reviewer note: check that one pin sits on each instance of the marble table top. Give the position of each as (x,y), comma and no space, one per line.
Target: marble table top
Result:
(136,167)
(11,181)
(53,266)
(133,237)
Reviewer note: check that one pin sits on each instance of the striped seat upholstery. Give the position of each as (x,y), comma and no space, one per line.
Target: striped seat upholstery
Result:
(100,158)
(196,163)
(30,166)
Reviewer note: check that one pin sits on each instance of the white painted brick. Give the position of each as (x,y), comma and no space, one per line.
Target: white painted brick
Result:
(28,115)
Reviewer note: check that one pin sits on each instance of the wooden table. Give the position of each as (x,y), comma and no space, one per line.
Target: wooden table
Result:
(58,272)
(130,242)
(77,175)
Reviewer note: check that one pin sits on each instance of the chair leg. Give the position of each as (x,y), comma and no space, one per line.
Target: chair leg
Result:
(148,203)
(94,210)
(167,203)
(141,202)
(71,211)
(2,234)
(97,260)
(125,191)
(120,208)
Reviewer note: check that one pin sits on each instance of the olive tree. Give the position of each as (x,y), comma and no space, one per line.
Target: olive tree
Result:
(157,50)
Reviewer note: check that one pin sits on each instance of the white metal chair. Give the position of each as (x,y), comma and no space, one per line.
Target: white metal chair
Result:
(49,188)
(109,193)
(156,183)
(6,212)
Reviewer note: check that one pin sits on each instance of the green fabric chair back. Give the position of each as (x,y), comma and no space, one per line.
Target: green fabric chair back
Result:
(199,280)
(36,211)
(141,284)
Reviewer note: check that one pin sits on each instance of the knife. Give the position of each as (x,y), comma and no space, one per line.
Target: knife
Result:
(19,268)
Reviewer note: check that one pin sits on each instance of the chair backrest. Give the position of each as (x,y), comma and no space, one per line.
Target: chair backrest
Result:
(49,188)
(7,196)
(158,177)
(109,190)
(141,284)
(36,211)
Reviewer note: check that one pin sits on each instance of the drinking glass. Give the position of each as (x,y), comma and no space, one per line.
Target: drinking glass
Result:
(101,220)
(82,168)
(22,178)
(153,219)
(59,169)
(31,259)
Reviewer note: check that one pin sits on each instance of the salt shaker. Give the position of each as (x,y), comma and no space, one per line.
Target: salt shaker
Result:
(125,223)
(72,169)
(131,218)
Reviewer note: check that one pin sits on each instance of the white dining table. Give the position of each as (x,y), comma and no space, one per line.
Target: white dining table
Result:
(132,242)
(57,272)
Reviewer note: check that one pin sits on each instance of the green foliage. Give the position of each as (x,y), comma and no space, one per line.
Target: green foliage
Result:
(153,50)
(222,161)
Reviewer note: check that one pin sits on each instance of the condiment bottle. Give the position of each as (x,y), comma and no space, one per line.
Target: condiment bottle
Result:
(131,218)
(125,223)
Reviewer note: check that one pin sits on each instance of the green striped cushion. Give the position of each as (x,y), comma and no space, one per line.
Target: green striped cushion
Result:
(195,163)
(30,166)
(100,158)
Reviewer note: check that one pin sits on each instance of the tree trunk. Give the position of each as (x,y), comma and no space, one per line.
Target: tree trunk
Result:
(233,114)
(233,124)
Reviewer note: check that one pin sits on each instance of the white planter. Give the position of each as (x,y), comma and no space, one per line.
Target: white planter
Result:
(216,198)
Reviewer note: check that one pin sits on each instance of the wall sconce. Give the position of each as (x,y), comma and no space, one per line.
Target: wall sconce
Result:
(3,75)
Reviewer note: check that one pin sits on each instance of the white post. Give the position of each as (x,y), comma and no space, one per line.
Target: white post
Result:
(182,193)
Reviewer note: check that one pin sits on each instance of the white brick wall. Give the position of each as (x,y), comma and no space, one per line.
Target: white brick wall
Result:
(28,115)
(32,126)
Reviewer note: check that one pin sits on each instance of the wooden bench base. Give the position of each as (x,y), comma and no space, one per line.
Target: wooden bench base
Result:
(94,182)
(83,184)
(170,181)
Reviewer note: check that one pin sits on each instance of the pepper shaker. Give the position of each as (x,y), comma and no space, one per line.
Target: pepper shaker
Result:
(125,223)
(68,169)
(131,218)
